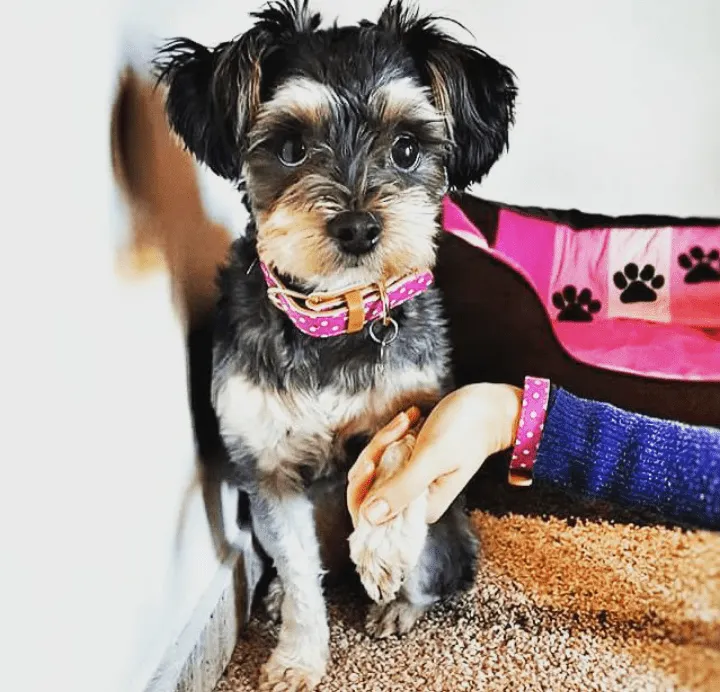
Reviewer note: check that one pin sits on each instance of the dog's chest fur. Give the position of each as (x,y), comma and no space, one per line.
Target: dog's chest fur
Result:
(291,402)
(303,428)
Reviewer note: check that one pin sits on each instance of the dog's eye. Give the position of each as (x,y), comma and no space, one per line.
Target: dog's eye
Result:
(292,151)
(405,152)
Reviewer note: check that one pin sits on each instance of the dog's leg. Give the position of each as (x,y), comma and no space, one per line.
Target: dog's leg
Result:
(447,565)
(285,528)
(405,565)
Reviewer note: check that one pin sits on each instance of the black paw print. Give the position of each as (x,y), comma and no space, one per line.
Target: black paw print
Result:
(700,265)
(575,307)
(638,286)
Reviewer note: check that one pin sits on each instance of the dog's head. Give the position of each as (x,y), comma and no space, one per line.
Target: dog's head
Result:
(345,138)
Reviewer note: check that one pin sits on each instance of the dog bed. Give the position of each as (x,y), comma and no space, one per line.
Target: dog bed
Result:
(626,310)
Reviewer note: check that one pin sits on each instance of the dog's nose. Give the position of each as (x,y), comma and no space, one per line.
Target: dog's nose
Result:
(355,232)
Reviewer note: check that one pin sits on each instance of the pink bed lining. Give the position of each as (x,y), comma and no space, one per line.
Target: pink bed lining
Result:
(641,301)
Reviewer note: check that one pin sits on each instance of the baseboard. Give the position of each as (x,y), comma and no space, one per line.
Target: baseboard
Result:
(195,662)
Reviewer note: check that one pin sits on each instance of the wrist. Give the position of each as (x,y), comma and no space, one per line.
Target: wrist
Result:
(496,414)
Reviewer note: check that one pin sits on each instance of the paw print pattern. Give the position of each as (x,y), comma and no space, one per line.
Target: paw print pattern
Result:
(638,286)
(575,307)
(701,267)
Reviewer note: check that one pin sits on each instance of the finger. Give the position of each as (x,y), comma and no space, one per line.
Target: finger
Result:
(395,494)
(413,414)
(357,490)
(392,432)
(362,473)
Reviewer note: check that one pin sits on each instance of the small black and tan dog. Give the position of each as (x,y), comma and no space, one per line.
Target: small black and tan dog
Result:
(344,141)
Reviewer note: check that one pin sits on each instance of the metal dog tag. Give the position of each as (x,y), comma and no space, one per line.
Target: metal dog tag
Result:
(386,339)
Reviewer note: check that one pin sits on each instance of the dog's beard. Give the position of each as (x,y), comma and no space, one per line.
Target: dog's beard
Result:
(293,239)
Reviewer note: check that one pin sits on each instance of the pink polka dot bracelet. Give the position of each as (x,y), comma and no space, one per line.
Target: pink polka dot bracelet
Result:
(529,432)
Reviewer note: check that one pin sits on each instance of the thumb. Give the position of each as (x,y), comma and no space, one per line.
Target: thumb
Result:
(392,496)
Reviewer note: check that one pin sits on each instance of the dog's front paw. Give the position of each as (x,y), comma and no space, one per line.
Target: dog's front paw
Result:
(384,555)
(299,660)
(395,618)
(282,675)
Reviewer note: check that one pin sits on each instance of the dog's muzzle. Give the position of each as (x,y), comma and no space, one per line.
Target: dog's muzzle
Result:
(356,233)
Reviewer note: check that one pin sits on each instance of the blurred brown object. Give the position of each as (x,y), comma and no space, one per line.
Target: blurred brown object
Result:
(171,232)
(159,179)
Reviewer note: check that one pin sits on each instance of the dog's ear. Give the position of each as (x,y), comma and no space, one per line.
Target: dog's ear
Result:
(213,94)
(474,91)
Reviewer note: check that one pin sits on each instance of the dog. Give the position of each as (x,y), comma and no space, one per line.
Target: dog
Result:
(343,142)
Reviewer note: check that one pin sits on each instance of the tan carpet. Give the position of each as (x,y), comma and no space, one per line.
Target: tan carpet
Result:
(562,602)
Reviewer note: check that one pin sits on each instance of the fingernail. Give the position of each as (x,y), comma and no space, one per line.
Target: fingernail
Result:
(377,511)
(413,413)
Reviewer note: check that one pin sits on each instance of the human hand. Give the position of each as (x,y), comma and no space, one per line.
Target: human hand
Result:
(362,473)
(464,429)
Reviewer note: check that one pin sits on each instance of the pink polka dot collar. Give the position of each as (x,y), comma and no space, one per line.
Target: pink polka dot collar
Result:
(324,315)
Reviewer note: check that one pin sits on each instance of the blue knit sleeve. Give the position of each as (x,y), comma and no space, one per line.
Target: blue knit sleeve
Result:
(598,451)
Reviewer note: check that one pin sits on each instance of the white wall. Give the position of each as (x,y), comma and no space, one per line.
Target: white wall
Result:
(619,103)
(103,549)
